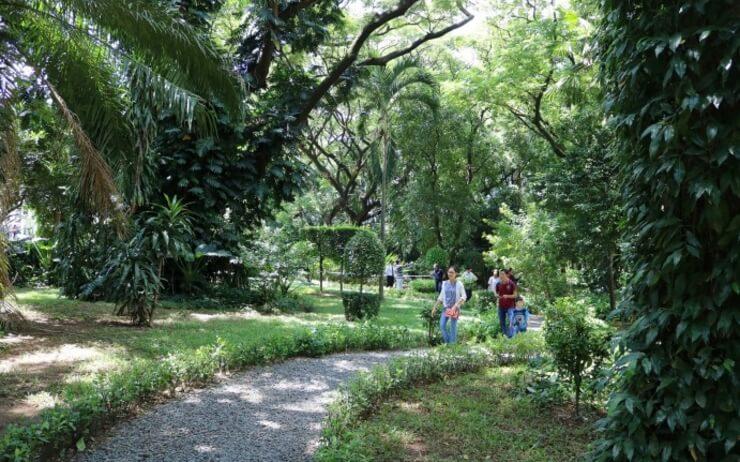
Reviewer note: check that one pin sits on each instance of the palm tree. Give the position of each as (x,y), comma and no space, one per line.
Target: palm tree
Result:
(387,88)
(108,67)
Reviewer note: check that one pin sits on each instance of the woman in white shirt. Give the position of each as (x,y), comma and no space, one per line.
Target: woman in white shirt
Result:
(493,281)
(452,297)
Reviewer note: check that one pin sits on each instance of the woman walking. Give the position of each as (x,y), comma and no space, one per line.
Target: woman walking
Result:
(452,297)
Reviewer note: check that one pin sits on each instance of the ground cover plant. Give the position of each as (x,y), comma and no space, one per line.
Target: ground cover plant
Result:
(475,417)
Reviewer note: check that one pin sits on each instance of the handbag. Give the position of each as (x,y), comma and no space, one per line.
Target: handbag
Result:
(453,313)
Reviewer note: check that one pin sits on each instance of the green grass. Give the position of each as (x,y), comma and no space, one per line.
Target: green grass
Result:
(474,417)
(69,341)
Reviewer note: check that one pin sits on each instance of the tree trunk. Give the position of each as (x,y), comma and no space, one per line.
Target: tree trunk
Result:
(612,284)
(321,274)
(383,202)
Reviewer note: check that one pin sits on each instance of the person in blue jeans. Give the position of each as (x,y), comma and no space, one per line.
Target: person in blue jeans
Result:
(452,298)
(507,293)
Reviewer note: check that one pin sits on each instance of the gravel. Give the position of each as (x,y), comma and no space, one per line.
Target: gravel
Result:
(271,413)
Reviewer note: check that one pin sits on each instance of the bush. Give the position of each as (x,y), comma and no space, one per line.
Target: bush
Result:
(486,301)
(482,330)
(431,324)
(578,342)
(542,384)
(360,306)
(116,393)
(425,286)
(291,303)
(364,257)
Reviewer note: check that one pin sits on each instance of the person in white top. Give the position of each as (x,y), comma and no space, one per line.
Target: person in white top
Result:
(469,279)
(452,297)
(389,275)
(398,275)
(493,281)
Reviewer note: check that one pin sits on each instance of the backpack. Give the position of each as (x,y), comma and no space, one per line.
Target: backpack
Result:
(519,321)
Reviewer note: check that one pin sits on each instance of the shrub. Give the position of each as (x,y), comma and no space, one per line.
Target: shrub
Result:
(542,384)
(291,303)
(360,306)
(116,393)
(425,286)
(578,342)
(431,323)
(364,257)
(486,301)
(482,330)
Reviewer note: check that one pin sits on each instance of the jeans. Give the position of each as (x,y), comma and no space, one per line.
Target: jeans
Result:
(505,316)
(451,336)
(438,286)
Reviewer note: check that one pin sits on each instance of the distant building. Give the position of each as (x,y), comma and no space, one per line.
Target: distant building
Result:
(20,225)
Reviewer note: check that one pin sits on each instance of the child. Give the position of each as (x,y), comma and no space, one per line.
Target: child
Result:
(520,317)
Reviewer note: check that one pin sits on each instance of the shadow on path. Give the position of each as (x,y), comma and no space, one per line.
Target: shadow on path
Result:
(271,413)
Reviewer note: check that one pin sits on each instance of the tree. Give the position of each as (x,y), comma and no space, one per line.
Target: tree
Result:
(387,88)
(673,87)
(579,343)
(365,256)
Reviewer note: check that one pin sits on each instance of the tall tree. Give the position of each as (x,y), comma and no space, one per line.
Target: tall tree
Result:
(673,83)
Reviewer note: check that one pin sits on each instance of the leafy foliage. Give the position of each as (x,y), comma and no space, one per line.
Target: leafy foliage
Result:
(671,74)
(358,305)
(364,256)
(579,343)
(436,255)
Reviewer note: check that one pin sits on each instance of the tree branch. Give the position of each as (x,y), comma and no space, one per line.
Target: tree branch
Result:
(383,60)
(333,76)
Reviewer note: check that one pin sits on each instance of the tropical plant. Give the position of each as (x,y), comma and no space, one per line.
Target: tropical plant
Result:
(166,233)
(364,256)
(132,275)
(95,60)
(673,86)
(578,342)
(388,87)
(279,257)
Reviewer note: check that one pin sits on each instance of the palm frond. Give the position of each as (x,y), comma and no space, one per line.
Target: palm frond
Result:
(164,43)
(96,179)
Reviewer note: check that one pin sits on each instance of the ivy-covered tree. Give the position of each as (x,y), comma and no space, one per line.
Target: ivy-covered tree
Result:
(673,82)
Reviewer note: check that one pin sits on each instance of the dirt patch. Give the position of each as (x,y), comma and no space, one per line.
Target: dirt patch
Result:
(38,361)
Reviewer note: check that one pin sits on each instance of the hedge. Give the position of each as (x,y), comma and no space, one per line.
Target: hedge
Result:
(360,306)
(117,393)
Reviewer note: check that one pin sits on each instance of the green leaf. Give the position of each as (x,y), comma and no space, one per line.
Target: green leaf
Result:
(675,41)
(81,445)
(712,130)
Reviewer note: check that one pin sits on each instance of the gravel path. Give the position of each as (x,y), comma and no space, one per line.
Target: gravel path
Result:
(271,413)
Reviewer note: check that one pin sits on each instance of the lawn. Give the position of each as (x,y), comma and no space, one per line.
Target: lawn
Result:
(66,341)
(475,417)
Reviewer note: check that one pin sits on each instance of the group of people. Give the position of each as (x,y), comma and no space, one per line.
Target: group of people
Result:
(453,293)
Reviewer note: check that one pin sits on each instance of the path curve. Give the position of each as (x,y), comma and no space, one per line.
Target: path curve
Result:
(268,413)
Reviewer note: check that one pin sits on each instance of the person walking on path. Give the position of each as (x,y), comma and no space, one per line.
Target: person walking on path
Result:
(438,274)
(507,293)
(389,275)
(398,274)
(452,298)
(469,279)
(493,281)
